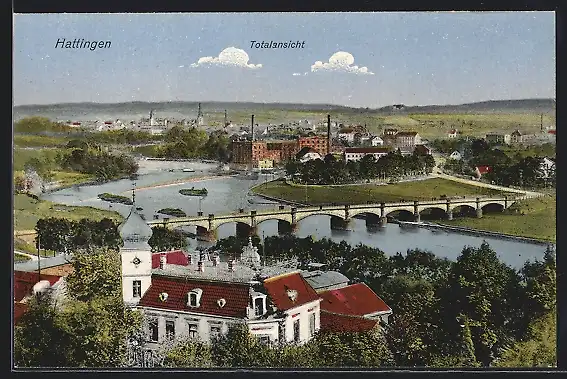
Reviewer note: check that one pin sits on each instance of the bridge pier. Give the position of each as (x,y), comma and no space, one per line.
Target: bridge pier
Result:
(285,227)
(372,220)
(383,221)
(338,223)
(479,213)
(449,215)
(203,234)
(245,231)
(417,217)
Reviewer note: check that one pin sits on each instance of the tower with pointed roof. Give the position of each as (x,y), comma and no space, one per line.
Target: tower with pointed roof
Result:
(136,256)
(250,256)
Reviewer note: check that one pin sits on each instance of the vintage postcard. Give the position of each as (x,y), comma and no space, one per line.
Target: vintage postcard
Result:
(284,190)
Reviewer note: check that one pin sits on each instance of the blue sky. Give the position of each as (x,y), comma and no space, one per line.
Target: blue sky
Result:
(410,58)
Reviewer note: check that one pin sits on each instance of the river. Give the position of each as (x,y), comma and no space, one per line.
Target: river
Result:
(228,194)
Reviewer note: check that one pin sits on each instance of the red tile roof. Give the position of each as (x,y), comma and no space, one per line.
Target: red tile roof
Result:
(278,286)
(19,310)
(554,131)
(335,323)
(483,169)
(176,257)
(357,300)
(24,282)
(177,288)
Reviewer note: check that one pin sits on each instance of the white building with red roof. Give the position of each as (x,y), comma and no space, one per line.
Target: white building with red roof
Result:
(198,296)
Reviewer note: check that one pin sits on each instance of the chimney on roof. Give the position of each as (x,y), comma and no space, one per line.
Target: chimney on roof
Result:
(328,134)
(162,261)
(231,265)
(200,266)
(252,129)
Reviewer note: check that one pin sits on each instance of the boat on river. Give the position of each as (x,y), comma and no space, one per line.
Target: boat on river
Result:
(188,170)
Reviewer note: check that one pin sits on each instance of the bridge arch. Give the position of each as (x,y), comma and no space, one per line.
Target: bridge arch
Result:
(433,212)
(357,212)
(402,214)
(431,207)
(463,210)
(493,207)
(279,217)
(300,217)
(218,223)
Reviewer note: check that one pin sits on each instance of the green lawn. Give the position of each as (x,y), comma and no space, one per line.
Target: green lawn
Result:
(18,258)
(361,194)
(21,156)
(536,218)
(28,210)
(34,140)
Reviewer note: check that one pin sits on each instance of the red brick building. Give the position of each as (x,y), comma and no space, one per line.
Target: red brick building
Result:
(247,152)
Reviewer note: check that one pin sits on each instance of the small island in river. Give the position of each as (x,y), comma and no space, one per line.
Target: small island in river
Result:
(193,191)
(175,212)
(115,198)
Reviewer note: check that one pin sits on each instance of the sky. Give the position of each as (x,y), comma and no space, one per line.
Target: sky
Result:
(352,59)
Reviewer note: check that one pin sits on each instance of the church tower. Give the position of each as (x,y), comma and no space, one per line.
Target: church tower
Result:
(136,256)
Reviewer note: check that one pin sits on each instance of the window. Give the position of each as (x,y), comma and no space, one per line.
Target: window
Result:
(137,288)
(312,324)
(264,339)
(215,330)
(193,299)
(170,329)
(193,330)
(259,306)
(296,336)
(153,328)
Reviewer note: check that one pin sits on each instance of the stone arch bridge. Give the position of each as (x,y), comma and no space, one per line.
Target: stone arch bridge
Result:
(288,217)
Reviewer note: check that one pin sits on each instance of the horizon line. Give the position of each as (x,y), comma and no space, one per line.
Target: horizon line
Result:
(274,103)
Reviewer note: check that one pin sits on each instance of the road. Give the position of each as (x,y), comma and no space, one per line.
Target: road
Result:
(440,161)
(486,185)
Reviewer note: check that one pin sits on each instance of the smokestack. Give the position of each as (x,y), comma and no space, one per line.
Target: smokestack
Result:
(162,261)
(328,134)
(200,266)
(252,130)
(541,123)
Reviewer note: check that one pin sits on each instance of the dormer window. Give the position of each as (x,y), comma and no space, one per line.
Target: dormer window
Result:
(194,298)
(259,304)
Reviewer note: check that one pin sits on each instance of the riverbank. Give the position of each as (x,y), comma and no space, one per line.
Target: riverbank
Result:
(179,181)
(361,194)
(531,218)
(27,211)
(477,232)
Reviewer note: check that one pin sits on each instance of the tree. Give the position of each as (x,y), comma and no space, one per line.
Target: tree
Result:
(237,348)
(486,291)
(363,349)
(89,329)
(538,350)
(188,352)
(95,275)
(164,239)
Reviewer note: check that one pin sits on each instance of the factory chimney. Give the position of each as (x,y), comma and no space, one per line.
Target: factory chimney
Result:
(225,119)
(328,134)
(252,130)
(541,123)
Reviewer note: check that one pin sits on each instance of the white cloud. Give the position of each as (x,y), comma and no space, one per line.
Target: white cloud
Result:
(231,56)
(182,66)
(341,61)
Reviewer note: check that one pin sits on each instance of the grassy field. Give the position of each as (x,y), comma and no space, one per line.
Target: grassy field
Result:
(536,219)
(427,125)
(361,194)
(21,156)
(18,258)
(28,210)
(33,140)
